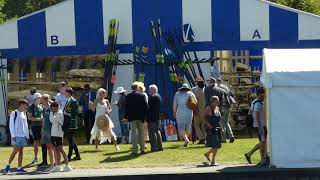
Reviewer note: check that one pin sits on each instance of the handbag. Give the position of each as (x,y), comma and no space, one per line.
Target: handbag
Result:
(192,103)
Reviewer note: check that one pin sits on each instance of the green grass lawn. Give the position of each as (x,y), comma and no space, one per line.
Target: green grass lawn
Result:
(173,155)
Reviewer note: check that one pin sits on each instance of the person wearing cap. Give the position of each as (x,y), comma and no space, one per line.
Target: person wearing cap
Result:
(135,114)
(198,116)
(88,115)
(153,119)
(183,113)
(121,103)
(213,90)
(103,109)
(60,98)
(226,111)
(19,134)
(70,112)
(35,115)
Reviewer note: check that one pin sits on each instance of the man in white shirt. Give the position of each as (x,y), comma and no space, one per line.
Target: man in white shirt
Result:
(19,134)
(60,98)
(259,123)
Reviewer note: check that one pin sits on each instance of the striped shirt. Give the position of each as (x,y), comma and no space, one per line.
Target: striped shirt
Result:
(19,127)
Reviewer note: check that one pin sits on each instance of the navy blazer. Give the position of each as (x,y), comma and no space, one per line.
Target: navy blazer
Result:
(136,106)
(83,103)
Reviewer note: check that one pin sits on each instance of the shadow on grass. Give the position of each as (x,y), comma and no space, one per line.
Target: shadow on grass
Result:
(91,151)
(114,153)
(29,166)
(186,148)
(127,157)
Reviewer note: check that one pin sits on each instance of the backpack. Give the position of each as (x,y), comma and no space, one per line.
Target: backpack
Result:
(8,127)
(250,117)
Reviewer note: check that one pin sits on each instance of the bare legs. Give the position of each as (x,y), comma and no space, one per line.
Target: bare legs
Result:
(185,136)
(212,151)
(36,148)
(58,150)
(16,150)
(50,153)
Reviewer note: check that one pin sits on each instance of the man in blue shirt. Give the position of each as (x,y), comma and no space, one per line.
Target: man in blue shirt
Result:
(87,114)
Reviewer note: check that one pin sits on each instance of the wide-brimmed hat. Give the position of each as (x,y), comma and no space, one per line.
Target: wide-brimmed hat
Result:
(36,95)
(103,122)
(185,87)
(120,90)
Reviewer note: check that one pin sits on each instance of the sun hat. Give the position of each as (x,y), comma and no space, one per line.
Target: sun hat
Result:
(103,122)
(120,90)
(185,87)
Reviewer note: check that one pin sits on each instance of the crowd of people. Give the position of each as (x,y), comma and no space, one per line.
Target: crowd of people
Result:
(46,121)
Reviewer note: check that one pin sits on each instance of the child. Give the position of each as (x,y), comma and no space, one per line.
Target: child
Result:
(56,118)
(19,134)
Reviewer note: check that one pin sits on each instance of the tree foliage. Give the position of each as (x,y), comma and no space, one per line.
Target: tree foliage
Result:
(311,6)
(10,9)
(2,16)
(18,8)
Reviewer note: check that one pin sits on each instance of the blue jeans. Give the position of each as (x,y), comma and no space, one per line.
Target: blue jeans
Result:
(124,129)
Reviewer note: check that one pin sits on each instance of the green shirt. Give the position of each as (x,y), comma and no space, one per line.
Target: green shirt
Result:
(46,124)
(37,112)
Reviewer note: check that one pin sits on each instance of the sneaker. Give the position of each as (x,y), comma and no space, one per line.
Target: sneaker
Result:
(43,164)
(67,168)
(117,148)
(35,161)
(48,169)
(21,171)
(206,155)
(6,170)
(56,169)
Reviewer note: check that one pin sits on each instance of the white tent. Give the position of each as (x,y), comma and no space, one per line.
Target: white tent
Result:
(292,79)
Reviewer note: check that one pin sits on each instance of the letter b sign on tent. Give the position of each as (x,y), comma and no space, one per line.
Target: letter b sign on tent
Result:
(60,25)
(54,40)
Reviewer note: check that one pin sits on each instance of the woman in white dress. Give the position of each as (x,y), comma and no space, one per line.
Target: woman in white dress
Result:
(182,113)
(102,107)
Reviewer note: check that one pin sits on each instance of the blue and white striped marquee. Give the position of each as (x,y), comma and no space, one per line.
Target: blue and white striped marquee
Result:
(76,27)
(80,27)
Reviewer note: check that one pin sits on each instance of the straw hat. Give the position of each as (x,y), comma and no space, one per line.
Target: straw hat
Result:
(120,90)
(103,122)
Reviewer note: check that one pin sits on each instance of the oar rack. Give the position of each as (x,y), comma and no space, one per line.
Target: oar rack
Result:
(131,62)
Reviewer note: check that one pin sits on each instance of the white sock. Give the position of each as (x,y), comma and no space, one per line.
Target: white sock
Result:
(19,168)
